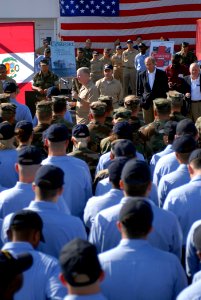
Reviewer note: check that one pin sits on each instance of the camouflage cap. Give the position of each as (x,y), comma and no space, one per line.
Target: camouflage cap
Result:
(122,113)
(98,108)
(44,106)
(7,109)
(162,105)
(131,102)
(4,98)
(175,97)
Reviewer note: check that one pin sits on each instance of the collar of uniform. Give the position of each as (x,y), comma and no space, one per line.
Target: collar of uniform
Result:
(169,147)
(110,81)
(183,168)
(196,178)
(133,243)
(43,205)
(125,199)
(22,246)
(24,186)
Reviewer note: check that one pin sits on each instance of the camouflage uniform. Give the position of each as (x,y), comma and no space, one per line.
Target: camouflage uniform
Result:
(152,134)
(41,107)
(7,113)
(96,67)
(45,81)
(83,62)
(109,110)
(89,156)
(88,53)
(177,100)
(187,59)
(97,130)
(2,81)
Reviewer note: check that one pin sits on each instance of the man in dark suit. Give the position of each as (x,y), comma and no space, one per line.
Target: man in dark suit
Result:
(153,83)
(191,88)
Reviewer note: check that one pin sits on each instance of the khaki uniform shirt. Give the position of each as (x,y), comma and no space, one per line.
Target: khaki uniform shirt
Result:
(111,88)
(87,95)
(106,61)
(128,57)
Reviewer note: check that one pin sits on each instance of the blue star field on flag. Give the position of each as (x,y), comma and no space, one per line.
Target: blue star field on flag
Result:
(108,8)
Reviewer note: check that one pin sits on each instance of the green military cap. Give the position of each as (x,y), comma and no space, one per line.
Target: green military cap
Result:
(122,113)
(44,106)
(7,109)
(4,97)
(162,105)
(175,97)
(98,108)
(131,102)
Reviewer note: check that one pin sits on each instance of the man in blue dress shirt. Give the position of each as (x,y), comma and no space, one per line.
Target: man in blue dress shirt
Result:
(81,271)
(41,281)
(136,181)
(135,269)
(183,146)
(169,163)
(184,201)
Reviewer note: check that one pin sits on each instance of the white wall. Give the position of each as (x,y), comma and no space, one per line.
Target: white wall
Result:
(29,9)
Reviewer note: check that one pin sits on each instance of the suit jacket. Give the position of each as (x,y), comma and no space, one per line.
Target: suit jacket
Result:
(159,90)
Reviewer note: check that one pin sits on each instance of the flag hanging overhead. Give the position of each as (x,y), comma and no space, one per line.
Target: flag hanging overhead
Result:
(173,19)
(17,53)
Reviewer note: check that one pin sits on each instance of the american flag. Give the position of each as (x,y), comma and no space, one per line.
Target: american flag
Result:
(173,19)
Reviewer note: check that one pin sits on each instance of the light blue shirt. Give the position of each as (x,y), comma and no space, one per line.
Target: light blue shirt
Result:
(166,233)
(22,111)
(165,165)
(185,203)
(67,117)
(98,296)
(105,160)
(136,270)
(171,181)
(157,156)
(16,198)
(58,228)
(98,203)
(77,182)
(8,159)
(41,281)
(139,62)
(193,292)
(105,186)
(193,264)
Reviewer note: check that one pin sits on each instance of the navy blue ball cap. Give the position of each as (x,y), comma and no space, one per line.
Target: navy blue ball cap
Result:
(123,129)
(80,131)
(136,171)
(186,126)
(115,168)
(184,144)
(6,131)
(9,87)
(49,177)
(123,147)
(25,125)
(195,155)
(108,67)
(170,128)
(29,155)
(57,133)
(27,219)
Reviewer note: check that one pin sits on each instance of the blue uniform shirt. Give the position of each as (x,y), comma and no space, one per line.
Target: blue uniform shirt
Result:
(136,270)
(193,292)
(8,159)
(155,158)
(98,203)
(166,233)
(185,203)
(41,281)
(193,264)
(22,111)
(98,296)
(77,186)
(165,165)
(171,181)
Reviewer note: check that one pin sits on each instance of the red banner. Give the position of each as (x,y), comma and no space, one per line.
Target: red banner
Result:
(198,39)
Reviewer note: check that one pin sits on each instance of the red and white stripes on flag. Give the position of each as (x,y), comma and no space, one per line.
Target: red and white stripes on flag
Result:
(17,53)
(174,19)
